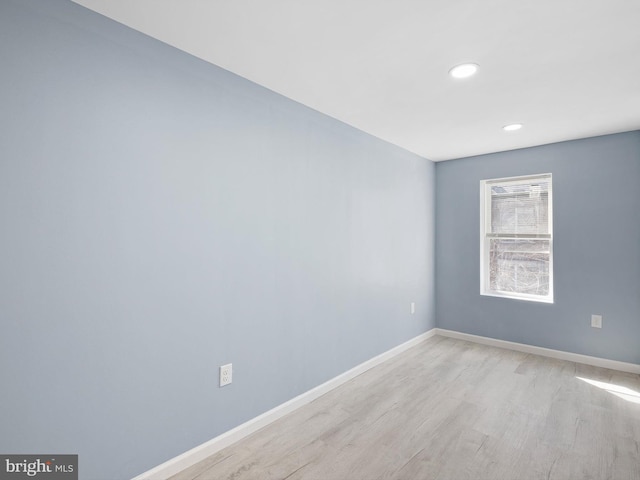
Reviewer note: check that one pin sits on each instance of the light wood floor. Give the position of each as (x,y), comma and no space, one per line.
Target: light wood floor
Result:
(451,410)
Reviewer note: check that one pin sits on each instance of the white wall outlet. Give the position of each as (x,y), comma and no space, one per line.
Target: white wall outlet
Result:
(226,374)
(413,308)
(596,321)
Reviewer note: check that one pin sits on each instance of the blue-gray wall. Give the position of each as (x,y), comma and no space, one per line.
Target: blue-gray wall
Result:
(160,217)
(596,217)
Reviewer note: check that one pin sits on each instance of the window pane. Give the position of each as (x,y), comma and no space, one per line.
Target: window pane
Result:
(520,266)
(520,208)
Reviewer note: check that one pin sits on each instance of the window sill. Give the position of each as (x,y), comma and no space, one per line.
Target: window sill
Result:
(523,297)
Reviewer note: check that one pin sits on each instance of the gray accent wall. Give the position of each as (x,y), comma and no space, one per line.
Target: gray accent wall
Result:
(161,217)
(596,217)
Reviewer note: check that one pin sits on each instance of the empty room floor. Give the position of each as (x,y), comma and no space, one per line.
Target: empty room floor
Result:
(450,409)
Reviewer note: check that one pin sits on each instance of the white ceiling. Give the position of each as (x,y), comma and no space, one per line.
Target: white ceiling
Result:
(566,69)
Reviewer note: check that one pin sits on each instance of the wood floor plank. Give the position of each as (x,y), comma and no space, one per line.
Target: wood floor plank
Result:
(450,409)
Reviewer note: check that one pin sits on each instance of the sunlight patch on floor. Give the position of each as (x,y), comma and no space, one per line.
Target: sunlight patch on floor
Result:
(619,391)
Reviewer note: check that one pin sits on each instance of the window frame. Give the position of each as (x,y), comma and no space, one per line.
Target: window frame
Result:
(486,236)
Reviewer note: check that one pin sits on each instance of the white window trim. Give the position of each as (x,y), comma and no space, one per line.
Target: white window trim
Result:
(485,218)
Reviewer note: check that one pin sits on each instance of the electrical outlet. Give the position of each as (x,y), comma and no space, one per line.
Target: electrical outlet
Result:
(596,321)
(413,308)
(226,374)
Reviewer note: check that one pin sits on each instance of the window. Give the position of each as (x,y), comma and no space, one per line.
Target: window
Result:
(516,236)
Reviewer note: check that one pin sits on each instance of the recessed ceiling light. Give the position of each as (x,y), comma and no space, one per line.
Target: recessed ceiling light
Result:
(512,127)
(464,70)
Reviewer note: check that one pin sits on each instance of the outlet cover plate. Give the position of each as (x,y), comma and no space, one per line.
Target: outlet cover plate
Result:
(226,374)
(596,321)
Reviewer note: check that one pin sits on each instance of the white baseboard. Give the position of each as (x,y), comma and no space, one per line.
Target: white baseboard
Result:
(193,456)
(545,352)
